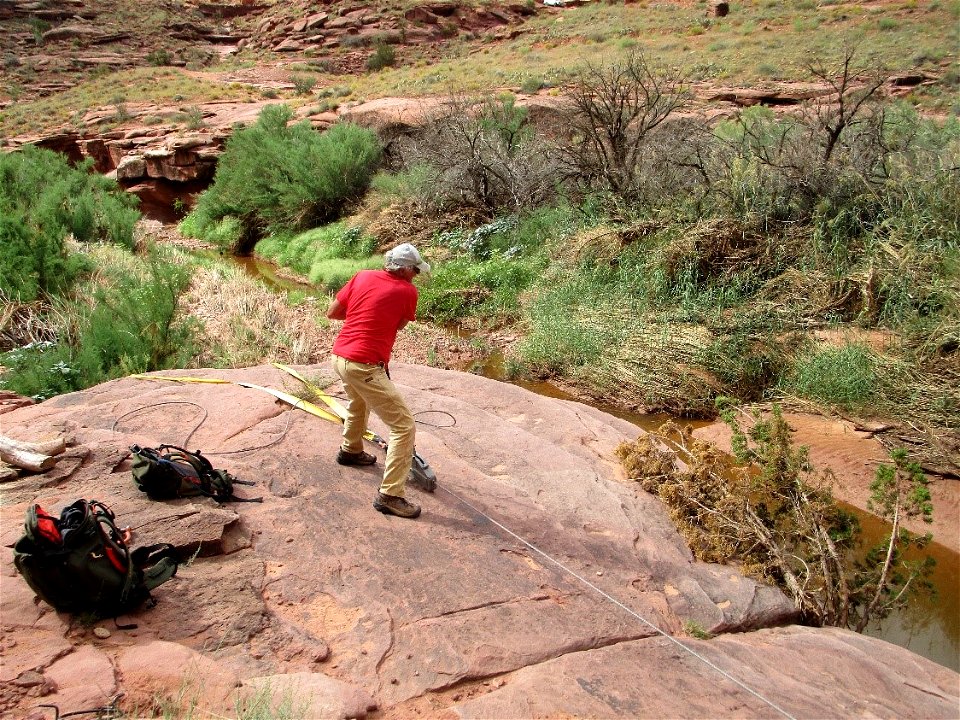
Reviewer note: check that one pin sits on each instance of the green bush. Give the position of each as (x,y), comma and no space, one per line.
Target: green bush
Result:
(159,57)
(383,56)
(277,178)
(303,84)
(42,201)
(747,366)
(132,327)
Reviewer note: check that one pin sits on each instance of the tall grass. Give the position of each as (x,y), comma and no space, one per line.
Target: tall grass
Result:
(124,321)
(846,377)
(462,288)
(328,256)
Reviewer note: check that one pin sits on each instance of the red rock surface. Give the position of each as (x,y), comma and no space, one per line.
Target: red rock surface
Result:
(316,595)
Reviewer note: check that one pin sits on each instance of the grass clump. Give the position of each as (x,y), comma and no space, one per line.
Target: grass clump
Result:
(274,177)
(248,324)
(490,289)
(846,377)
(328,256)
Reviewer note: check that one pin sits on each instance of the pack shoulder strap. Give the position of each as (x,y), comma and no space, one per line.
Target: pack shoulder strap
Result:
(158,563)
(199,462)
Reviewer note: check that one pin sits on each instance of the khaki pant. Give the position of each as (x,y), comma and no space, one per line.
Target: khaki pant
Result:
(368,388)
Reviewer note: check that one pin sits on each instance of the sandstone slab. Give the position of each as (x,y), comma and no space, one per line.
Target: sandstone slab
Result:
(532,554)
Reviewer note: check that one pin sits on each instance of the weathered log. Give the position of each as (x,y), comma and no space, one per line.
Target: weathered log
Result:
(12,454)
(54,446)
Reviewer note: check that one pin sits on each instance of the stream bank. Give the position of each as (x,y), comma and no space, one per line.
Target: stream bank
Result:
(930,627)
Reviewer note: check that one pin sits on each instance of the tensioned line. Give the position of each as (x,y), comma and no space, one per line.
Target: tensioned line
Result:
(619,604)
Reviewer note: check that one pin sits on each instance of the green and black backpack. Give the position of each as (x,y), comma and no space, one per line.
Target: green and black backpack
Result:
(172,472)
(79,562)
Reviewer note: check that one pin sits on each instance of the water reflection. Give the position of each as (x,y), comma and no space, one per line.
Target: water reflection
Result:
(930,626)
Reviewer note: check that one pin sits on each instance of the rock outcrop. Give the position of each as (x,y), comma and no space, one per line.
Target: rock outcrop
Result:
(529,586)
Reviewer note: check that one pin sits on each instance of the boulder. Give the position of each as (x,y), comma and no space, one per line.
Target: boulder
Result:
(317,20)
(846,679)
(68,32)
(131,167)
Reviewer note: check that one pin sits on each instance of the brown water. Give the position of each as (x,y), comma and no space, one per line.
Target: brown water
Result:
(929,626)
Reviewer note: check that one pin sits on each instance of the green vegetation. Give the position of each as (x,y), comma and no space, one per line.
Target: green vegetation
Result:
(776,518)
(77,329)
(756,41)
(662,262)
(327,256)
(383,56)
(154,84)
(120,322)
(273,177)
(42,201)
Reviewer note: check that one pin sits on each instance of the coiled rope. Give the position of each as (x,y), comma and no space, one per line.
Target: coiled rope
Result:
(203,419)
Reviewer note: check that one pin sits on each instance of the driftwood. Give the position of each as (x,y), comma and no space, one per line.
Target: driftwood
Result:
(37,457)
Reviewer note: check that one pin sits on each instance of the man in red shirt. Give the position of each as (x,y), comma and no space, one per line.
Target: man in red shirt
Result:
(375,305)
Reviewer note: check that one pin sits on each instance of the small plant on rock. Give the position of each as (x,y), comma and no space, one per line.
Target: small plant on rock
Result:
(303,84)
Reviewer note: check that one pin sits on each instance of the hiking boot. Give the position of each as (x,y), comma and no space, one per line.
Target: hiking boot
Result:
(360,458)
(390,505)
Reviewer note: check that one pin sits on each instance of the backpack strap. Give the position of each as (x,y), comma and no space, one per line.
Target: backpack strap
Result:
(115,546)
(195,458)
(158,563)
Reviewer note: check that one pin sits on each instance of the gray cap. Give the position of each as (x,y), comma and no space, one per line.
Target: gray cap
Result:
(405,256)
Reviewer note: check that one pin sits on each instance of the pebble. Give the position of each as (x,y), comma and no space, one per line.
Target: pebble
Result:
(101,632)
(599,573)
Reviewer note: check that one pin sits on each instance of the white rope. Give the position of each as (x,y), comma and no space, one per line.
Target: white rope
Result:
(619,604)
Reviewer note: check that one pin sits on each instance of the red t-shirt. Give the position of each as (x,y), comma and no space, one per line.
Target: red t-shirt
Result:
(376,303)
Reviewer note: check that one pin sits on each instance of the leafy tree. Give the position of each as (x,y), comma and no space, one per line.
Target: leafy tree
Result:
(276,177)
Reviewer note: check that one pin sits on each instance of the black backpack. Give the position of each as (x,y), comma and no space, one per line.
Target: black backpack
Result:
(172,472)
(80,562)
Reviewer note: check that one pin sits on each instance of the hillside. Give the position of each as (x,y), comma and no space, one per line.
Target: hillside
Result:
(63,60)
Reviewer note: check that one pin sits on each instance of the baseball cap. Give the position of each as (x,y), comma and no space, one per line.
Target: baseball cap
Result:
(404,256)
